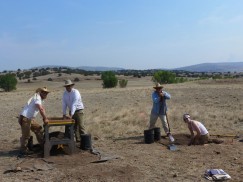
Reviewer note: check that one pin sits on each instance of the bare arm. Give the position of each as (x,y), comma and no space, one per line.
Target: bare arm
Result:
(192,134)
(43,113)
(195,126)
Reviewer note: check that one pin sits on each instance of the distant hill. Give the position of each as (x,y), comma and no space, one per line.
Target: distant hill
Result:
(214,67)
(99,68)
(204,67)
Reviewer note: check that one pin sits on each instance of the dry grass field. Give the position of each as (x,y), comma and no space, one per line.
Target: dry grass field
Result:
(116,119)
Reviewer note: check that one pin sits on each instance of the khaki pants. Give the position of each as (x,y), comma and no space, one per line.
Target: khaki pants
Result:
(28,125)
(153,119)
(79,127)
(203,139)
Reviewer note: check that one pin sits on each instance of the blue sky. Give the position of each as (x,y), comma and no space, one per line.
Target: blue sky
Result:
(132,34)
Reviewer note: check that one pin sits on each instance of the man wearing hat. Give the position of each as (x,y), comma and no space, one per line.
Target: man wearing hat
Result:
(73,101)
(159,109)
(27,119)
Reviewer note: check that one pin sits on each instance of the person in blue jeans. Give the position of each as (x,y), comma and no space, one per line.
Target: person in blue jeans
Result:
(159,109)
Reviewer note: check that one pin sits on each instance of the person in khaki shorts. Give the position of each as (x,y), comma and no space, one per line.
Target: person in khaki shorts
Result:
(27,119)
(73,101)
(202,135)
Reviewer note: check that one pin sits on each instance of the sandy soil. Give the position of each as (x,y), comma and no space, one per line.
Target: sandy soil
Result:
(116,119)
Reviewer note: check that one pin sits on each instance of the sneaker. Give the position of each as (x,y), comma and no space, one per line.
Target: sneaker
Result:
(171,138)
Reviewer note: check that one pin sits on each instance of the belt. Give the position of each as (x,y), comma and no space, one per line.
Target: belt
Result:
(23,117)
(78,110)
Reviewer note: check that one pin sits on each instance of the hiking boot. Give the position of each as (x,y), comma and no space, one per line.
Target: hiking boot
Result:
(30,143)
(26,152)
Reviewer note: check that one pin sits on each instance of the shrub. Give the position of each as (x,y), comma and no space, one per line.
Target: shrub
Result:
(49,79)
(123,83)
(8,82)
(76,79)
(109,79)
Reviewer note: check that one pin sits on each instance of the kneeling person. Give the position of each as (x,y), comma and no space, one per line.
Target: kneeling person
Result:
(202,135)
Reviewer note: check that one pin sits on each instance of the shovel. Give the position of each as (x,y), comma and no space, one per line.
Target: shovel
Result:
(171,146)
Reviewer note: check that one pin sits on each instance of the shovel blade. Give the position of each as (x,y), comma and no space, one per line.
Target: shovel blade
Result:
(172,147)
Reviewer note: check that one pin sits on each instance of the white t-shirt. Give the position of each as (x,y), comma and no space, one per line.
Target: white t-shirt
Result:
(72,100)
(30,110)
(201,127)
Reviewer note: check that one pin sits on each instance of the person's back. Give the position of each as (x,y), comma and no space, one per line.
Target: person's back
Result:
(202,128)
(30,110)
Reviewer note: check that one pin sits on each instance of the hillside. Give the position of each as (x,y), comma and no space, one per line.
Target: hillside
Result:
(214,67)
(203,67)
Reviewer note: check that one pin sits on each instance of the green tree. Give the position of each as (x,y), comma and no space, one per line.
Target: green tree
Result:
(76,79)
(8,82)
(164,77)
(109,79)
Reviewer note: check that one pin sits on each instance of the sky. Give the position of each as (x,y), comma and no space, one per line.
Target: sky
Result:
(130,34)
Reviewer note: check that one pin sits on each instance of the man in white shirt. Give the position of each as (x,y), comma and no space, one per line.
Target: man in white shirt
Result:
(27,119)
(73,101)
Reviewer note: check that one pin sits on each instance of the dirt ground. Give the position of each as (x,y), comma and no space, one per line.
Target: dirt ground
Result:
(116,119)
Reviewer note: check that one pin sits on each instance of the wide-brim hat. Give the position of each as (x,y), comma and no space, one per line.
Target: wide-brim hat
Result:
(68,83)
(43,89)
(158,86)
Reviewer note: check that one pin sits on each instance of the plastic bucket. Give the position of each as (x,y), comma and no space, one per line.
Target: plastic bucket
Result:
(85,142)
(149,136)
(157,134)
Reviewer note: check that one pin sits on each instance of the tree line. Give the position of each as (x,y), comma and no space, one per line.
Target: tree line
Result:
(8,79)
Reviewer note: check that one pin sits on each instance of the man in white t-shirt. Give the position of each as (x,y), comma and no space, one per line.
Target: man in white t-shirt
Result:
(202,135)
(73,101)
(27,119)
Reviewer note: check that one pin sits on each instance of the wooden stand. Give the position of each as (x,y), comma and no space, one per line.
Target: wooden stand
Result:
(67,140)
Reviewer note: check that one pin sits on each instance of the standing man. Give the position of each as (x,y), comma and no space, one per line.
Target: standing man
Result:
(72,99)
(159,109)
(27,119)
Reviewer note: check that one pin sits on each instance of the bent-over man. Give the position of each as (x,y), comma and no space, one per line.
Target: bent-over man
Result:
(73,101)
(27,119)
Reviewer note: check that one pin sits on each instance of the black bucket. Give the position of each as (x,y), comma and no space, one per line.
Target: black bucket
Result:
(157,134)
(85,142)
(149,136)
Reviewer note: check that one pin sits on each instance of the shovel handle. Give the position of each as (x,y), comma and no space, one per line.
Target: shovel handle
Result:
(167,120)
